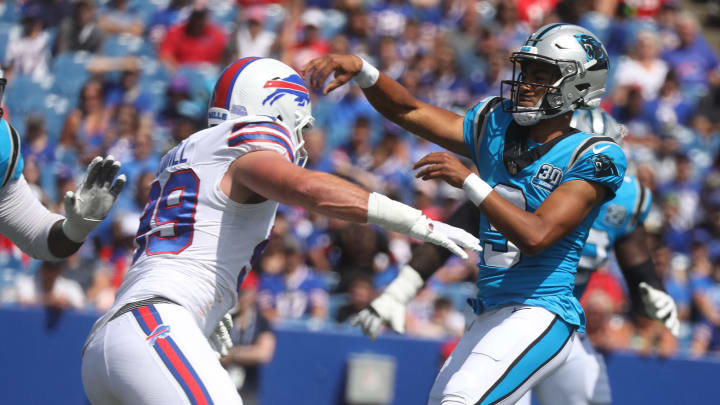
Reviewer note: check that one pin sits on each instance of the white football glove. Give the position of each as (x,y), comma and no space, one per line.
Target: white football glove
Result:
(390,306)
(86,208)
(220,338)
(398,217)
(659,305)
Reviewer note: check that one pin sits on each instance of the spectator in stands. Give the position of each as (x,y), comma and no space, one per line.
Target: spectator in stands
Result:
(694,60)
(358,31)
(196,41)
(643,68)
(253,342)
(251,39)
(445,321)
(117,19)
(176,12)
(129,91)
(28,48)
(360,293)
(511,31)
(36,145)
(79,32)
(705,287)
(85,126)
(310,43)
(390,62)
(49,288)
(296,291)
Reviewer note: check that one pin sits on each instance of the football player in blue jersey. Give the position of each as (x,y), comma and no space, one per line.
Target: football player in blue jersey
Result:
(540,187)
(583,379)
(24,220)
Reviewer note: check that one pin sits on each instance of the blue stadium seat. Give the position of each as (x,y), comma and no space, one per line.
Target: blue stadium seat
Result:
(70,72)
(127,45)
(55,111)
(11,12)
(23,97)
(4,38)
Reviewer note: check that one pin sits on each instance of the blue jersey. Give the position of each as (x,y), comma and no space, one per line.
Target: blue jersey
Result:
(525,174)
(616,219)
(11,161)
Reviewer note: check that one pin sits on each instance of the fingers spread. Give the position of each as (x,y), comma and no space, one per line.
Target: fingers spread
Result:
(93,171)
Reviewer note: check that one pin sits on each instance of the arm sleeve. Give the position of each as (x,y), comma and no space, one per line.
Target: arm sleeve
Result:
(25,220)
(253,136)
(602,163)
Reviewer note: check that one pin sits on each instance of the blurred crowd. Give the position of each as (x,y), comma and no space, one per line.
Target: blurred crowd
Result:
(132,78)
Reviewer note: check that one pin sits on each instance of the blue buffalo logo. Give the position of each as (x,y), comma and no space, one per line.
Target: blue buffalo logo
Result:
(291,85)
(594,51)
(160,332)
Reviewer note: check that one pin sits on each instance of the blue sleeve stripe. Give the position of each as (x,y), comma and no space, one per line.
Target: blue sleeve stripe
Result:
(268,137)
(14,153)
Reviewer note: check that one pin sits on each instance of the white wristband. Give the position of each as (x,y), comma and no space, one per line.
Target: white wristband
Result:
(390,214)
(476,188)
(368,76)
(406,285)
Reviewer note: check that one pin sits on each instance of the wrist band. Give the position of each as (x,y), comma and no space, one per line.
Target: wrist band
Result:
(476,189)
(368,76)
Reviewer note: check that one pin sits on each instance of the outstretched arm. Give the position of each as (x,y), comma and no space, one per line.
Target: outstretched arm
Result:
(390,306)
(532,232)
(392,100)
(645,285)
(47,236)
(270,175)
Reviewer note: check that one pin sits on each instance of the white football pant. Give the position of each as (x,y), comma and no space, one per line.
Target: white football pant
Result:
(582,380)
(153,355)
(502,355)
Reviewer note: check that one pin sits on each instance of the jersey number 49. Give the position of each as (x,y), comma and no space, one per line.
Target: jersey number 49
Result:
(166,226)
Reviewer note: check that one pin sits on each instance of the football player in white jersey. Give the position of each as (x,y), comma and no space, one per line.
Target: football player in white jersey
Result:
(25,221)
(209,213)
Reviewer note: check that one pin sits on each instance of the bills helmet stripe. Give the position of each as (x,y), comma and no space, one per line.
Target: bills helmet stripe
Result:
(149,319)
(223,88)
(282,84)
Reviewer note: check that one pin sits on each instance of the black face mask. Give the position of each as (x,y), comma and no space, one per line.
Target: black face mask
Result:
(3,82)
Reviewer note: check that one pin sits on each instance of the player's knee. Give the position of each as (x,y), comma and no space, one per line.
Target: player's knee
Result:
(459,390)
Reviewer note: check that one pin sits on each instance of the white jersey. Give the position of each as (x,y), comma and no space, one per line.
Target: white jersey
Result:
(194,245)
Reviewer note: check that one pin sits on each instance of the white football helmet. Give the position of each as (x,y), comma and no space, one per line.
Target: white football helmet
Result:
(582,63)
(263,86)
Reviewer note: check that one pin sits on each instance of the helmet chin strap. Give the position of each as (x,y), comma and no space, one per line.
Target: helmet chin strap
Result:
(527,118)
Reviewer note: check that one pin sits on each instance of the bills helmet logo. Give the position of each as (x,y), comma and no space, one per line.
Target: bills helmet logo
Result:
(292,86)
(160,332)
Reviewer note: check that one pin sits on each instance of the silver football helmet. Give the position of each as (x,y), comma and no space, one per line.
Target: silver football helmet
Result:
(582,64)
(597,121)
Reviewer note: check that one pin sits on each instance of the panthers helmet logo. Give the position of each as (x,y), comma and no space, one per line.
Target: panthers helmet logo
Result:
(593,50)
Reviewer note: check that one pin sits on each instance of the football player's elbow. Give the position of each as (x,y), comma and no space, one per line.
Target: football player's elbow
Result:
(534,243)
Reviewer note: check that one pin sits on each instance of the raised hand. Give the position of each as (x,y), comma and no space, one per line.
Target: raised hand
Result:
(443,166)
(317,70)
(86,208)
